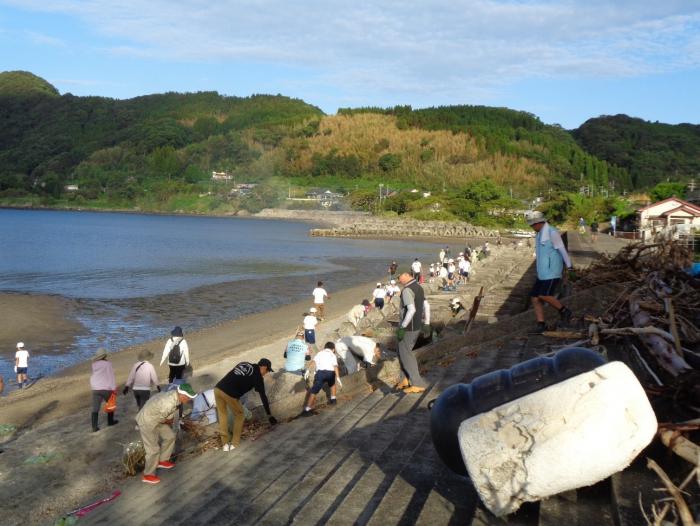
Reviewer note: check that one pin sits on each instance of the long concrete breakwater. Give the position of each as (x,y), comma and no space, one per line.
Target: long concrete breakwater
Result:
(393,228)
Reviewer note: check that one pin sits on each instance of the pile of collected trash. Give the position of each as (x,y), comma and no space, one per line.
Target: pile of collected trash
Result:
(655,320)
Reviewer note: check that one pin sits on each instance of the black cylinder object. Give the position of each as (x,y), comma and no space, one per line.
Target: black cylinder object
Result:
(462,401)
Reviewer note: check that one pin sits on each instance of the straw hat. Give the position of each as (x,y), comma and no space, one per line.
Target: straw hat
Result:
(100,354)
(145,355)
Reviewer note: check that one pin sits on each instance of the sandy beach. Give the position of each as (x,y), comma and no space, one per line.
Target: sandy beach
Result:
(46,318)
(53,422)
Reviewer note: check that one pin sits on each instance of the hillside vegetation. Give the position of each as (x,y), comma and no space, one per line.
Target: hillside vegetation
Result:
(157,153)
(651,152)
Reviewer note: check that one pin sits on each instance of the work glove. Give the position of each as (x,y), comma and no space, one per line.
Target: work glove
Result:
(400,333)
(158,387)
(15,369)
(272,420)
(426,330)
(571,274)
(125,390)
(340,384)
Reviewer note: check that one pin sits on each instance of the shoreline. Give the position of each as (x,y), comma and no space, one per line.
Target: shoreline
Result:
(68,389)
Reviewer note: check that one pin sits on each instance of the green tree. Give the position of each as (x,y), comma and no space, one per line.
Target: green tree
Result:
(667,189)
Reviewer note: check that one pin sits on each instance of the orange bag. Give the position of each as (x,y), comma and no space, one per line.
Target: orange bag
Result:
(111,404)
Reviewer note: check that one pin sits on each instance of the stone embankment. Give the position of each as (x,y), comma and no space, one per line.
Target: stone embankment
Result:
(398,228)
(368,460)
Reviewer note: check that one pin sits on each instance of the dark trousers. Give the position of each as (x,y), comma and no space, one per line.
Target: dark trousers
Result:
(141,397)
(175,372)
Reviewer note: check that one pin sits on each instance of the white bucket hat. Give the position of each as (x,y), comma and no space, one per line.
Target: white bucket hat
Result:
(312,309)
(535,217)
(20,345)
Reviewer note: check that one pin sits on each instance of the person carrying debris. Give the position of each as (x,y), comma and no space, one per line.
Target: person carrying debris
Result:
(327,372)
(415,311)
(155,420)
(227,393)
(177,352)
(551,259)
(141,377)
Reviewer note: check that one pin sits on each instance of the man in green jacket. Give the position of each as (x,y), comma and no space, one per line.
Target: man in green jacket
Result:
(155,420)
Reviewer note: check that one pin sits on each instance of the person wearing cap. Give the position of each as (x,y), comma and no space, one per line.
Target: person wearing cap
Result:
(327,372)
(551,260)
(177,353)
(21,364)
(379,293)
(393,289)
(296,354)
(227,393)
(155,421)
(310,321)
(103,384)
(415,311)
(356,313)
(141,377)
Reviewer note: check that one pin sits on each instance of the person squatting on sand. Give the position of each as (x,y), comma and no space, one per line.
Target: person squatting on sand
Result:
(155,420)
(296,354)
(415,311)
(103,384)
(21,364)
(327,373)
(141,377)
(177,352)
(227,393)
(550,257)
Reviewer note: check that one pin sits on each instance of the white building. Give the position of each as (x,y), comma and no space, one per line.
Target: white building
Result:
(221,176)
(672,215)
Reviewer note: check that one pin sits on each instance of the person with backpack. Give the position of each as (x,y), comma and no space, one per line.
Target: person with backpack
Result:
(177,353)
(141,377)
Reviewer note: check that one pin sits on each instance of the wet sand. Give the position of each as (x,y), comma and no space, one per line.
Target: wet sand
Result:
(42,322)
(68,391)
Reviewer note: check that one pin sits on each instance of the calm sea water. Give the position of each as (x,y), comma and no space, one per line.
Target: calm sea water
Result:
(133,277)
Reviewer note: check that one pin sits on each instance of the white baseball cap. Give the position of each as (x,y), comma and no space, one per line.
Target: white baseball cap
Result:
(312,309)
(20,345)
(379,284)
(393,282)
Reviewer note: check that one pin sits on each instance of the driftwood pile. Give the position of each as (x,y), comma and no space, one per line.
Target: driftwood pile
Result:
(657,316)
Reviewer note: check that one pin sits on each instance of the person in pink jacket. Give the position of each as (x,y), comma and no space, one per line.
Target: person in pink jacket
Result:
(103,384)
(141,377)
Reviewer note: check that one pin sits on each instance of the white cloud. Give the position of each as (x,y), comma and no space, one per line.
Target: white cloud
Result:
(429,46)
(45,40)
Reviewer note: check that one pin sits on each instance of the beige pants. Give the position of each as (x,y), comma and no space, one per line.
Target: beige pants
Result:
(159,443)
(320,310)
(225,402)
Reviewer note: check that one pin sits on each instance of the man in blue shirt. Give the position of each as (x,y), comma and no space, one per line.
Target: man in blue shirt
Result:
(552,258)
(297,354)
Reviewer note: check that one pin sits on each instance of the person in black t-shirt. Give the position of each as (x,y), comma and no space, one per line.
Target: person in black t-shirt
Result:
(239,380)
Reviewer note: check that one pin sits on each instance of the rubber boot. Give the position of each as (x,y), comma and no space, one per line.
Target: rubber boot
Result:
(94,421)
(110,419)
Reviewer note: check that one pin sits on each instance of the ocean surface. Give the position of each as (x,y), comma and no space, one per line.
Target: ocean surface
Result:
(130,278)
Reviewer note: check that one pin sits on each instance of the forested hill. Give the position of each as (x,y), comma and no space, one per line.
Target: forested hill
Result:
(46,138)
(650,151)
(158,152)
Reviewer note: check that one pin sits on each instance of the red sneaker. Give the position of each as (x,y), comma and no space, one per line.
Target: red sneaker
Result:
(150,479)
(166,464)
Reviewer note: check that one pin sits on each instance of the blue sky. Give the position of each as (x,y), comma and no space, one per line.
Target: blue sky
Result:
(565,61)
